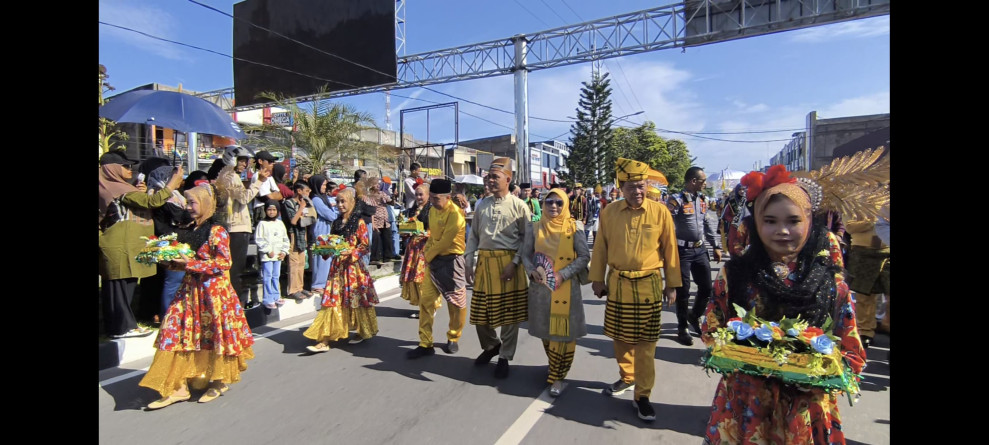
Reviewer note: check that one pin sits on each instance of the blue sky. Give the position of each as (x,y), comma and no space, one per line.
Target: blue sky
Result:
(755,84)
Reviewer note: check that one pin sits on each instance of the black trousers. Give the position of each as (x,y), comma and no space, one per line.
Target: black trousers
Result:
(116,296)
(693,261)
(381,245)
(238,259)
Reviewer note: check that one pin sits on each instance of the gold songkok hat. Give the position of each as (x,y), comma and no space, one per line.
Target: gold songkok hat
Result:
(630,170)
(503,165)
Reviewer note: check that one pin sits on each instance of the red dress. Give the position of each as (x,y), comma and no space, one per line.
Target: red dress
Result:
(757,410)
(349,298)
(204,333)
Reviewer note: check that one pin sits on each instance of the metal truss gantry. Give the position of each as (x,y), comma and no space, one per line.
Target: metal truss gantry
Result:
(691,23)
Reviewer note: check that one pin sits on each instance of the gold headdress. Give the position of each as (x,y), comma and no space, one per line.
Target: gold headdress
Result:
(855,186)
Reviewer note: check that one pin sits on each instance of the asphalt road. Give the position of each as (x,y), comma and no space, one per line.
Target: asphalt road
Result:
(369,393)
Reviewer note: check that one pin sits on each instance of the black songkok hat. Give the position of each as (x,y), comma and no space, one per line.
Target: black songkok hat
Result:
(440,187)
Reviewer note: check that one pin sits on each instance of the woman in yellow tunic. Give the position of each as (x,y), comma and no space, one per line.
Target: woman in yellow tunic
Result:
(349,298)
(204,334)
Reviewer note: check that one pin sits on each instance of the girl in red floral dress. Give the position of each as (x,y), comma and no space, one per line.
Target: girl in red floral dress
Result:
(414,264)
(204,335)
(349,298)
(791,268)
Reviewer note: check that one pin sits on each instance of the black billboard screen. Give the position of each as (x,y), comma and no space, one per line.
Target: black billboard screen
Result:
(361,31)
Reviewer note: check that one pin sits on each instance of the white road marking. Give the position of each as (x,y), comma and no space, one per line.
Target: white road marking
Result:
(527,420)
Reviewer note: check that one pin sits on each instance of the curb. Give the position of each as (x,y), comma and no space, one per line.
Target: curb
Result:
(125,350)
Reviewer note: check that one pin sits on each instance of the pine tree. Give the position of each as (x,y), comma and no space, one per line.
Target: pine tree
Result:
(590,153)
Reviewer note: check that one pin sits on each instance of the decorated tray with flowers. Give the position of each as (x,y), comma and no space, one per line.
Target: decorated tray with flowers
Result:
(163,248)
(790,350)
(332,245)
(410,226)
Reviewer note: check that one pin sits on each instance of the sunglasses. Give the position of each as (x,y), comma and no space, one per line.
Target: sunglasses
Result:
(555,202)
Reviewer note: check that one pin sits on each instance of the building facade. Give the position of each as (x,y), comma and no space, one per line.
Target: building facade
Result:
(815,147)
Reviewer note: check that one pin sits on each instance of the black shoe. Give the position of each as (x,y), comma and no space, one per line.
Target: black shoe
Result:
(420,351)
(501,370)
(684,338)
(618,388)
(451,347)
(486,356)
(644,409)
(695,325)
(866,342)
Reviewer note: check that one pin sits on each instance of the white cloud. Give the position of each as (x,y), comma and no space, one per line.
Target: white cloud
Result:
(877,103)
(844,30)
(142,17)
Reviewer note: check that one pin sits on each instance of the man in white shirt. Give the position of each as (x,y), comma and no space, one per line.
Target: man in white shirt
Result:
(410,186)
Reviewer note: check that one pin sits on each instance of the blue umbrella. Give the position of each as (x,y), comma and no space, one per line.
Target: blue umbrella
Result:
(170,109)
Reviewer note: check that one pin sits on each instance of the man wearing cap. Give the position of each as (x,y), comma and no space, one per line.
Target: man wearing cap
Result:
(636,241)
(446,269)
(531,201)
(689,209)
(233,212)
(500,295)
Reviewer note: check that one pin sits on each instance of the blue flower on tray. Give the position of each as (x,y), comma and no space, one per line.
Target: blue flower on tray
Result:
(744,331)
(764,333)
(822,344)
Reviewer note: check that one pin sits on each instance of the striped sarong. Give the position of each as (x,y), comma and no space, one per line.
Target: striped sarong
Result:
(635,303)
(495,302)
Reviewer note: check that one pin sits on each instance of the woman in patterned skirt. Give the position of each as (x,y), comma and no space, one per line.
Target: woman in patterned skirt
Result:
(204,335)
(414,263)
(792,268)
(349,298)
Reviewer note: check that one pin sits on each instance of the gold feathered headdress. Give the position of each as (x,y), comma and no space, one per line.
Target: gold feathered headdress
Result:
(855,186)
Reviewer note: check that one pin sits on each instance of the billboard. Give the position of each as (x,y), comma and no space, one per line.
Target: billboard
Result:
(351,44)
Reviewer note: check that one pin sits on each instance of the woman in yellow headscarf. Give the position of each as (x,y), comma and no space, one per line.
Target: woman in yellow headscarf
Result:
(555,253)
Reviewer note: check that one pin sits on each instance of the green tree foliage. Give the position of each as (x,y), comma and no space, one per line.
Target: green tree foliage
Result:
(326,133)
(591,135)
(109,134)
(669,156)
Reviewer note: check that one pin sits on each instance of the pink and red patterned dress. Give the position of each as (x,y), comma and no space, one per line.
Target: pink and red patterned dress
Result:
(756,410)
(204,332)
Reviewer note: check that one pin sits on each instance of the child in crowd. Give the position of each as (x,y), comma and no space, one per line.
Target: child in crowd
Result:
(299,216)
(271,238)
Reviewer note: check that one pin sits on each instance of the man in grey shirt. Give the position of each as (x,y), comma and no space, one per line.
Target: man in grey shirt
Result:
(689,209)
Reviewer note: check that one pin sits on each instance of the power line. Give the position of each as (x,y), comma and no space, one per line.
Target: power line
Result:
(222,54)
(554,11)
(367,67)
(438,92)
(530,12)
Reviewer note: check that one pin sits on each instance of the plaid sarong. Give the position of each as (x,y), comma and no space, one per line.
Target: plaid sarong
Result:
(635,303)
(495,302)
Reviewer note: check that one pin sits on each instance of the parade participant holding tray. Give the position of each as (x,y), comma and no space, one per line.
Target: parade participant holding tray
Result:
(349,298)
(790,286)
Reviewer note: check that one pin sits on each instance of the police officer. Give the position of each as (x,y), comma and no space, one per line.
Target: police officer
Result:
(689,209)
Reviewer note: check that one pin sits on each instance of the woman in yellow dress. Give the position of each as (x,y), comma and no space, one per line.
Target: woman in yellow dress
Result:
(204,335)
(349,298)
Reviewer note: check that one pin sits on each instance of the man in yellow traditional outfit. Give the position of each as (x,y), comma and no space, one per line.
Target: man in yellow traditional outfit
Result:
(637,239)
(445,269)
(500,295)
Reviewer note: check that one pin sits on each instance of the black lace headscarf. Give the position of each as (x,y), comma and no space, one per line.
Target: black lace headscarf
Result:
(814,293)
(349,227)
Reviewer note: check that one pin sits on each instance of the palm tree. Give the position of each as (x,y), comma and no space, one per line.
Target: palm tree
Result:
(109,133)
(327,133)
